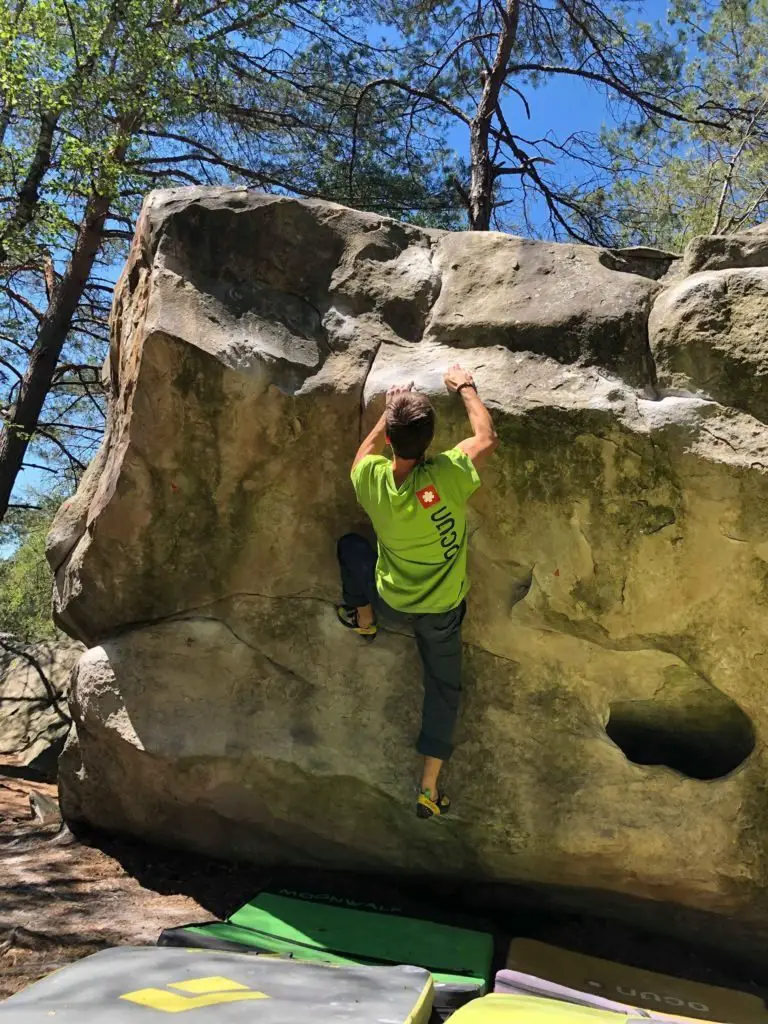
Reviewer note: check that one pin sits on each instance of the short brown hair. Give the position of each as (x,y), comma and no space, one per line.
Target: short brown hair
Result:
(410,425)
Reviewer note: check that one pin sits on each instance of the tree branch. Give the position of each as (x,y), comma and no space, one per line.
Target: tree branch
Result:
(11,367)
(617,86)
(732,165)
(30,190)
(411,91)
(22,301)
(62,447)
(734,222)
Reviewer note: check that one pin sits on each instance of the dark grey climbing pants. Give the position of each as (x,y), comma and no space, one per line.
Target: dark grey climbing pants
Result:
(438,638)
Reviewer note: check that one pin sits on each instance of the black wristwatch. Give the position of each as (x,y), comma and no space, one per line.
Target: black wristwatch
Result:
(466,384)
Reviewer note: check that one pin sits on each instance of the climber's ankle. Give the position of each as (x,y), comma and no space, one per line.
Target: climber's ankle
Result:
(365,615)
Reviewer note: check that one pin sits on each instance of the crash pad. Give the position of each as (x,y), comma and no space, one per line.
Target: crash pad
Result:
(518,983)
(522,1009)
(133,984)
(459,958)
(659,994)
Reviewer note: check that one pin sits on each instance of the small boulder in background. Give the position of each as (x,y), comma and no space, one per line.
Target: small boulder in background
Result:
(34,682)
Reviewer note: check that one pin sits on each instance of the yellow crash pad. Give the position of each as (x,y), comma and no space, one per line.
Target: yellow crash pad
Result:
(508,1009)
(660,994)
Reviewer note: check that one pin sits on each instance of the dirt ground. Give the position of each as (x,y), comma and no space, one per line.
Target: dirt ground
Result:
(63,897)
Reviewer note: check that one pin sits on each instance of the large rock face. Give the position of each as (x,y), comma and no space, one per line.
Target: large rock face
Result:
(612,731)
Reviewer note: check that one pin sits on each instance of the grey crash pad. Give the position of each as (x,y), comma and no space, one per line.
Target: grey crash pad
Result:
(129,985)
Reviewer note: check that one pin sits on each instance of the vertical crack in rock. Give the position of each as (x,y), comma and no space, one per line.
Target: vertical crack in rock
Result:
(436,291)
(650,362)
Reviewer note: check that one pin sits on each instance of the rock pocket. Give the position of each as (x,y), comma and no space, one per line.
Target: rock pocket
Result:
(689,726)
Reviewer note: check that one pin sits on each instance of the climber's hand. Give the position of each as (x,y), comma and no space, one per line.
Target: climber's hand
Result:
(396,390)
(456,376)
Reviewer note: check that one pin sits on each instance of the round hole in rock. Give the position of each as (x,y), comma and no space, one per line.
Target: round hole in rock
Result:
(697,731)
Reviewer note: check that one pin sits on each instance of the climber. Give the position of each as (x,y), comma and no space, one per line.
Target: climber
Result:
(417,507)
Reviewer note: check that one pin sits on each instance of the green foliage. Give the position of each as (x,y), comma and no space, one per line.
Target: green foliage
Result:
(707,174)
(26,582)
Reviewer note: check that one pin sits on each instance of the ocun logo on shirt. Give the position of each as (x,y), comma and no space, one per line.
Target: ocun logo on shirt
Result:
(446,527)
(443,520)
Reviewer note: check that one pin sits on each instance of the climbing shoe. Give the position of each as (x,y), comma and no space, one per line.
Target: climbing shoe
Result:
(348,618)
(426,807)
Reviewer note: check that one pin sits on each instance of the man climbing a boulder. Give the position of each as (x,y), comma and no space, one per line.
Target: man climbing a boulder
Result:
(417,505)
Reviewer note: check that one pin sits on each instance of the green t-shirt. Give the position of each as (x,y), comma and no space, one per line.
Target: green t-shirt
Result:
(421,529)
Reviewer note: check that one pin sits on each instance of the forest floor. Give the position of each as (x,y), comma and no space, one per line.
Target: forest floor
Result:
(62,898)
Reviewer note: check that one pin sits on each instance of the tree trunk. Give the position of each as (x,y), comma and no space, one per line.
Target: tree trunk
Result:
(29,193)
(481,180)
(482,173)
(5,120)
(23,417)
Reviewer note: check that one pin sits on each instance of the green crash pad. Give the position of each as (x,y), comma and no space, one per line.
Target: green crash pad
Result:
(134,984)
(459,958)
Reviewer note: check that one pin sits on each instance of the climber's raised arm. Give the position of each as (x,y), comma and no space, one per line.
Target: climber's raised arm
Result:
(374,443)
(484,440)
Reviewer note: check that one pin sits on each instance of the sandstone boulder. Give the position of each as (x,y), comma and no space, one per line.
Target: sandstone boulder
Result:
(612,732)
(34,682)
(720,252)
(708,335)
